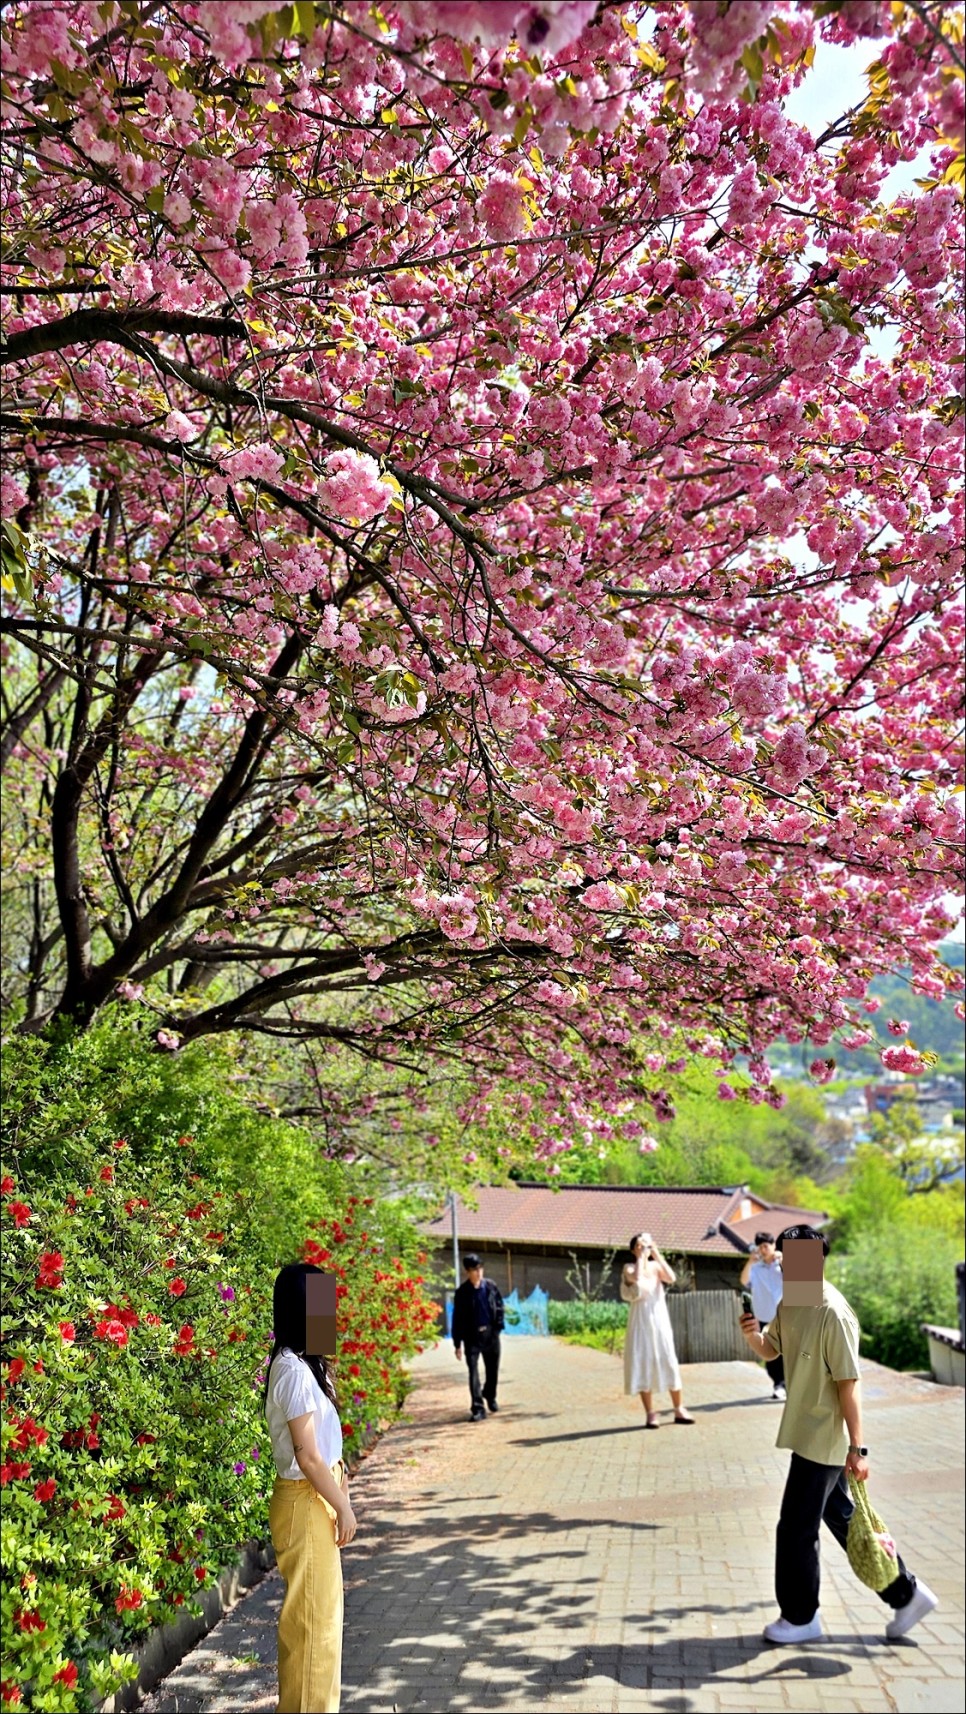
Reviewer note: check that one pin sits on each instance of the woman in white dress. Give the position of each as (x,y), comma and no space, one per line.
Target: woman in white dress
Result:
(650,1360)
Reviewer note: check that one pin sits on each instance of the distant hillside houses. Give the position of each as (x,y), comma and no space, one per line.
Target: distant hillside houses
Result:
(936,1098)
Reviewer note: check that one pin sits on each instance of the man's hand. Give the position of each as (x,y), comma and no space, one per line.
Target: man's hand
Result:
(749,1328)
(857,1467)
(459,1352)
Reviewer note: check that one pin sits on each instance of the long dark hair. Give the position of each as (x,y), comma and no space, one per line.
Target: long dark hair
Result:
(288,1315)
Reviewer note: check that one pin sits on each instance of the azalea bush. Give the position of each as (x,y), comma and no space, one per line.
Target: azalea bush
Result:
(137,1276)
(383,1316)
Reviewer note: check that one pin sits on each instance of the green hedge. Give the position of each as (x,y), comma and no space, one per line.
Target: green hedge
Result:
(146,1211)
(576,1317)
(895,1279)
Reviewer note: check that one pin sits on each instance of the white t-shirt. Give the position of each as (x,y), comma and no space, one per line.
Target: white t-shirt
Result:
(767,1284)
(293,1390)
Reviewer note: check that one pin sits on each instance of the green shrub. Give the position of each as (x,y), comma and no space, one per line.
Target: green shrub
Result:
(146,1211)
(895,1279)
(585,1317)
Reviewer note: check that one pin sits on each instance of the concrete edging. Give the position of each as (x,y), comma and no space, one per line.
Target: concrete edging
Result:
(165,1646)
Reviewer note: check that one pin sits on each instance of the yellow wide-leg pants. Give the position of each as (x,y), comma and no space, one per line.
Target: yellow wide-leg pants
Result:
(302,1527)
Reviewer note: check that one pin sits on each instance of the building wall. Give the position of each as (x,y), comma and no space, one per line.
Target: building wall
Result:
(522,1269)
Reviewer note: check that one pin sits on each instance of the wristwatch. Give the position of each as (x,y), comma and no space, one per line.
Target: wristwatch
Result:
(860,1451)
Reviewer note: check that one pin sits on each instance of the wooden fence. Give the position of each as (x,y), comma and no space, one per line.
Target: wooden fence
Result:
(706,1327)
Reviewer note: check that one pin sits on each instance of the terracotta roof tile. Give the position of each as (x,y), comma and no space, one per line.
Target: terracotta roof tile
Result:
(604,1216)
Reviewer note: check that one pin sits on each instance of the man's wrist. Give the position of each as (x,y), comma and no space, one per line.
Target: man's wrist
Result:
(858,1451)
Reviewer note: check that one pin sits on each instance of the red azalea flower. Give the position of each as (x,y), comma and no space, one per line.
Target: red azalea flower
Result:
(178,1287)
(68,1332)
(29,1620)
(107,1174)
(29,1430)
(177,1600)
(153,1320)
(116,1509)
(169,1262)
(92,1442)
(201,1572)
(216,1237)
(7,1184)
(67,1675)
(15,1370)
(39,1366)
(128,1316)
(128,1598)
(45,1490)
(19,1212)
(145,1440)
(10,1692)
(50,1272)
(71,1203)
(113,1330)
(121,1143)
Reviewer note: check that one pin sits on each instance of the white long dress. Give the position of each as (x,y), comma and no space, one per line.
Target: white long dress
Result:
(650,1360)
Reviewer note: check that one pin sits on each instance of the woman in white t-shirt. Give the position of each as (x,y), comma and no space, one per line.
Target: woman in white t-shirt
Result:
(310,1517)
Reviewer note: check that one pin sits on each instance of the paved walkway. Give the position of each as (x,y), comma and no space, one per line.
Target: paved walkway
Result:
(558,1556)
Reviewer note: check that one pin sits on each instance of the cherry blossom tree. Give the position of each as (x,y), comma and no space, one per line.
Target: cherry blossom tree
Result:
(482,526)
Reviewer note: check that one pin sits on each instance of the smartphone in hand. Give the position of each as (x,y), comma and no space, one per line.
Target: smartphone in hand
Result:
(746,1304)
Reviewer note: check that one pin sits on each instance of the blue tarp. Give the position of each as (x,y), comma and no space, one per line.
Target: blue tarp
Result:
(530,1316)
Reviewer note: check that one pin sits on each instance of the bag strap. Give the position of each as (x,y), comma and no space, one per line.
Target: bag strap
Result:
(860,1496)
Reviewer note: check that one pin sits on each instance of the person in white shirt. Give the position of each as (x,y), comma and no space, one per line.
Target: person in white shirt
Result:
(762,1273)
(310,1516)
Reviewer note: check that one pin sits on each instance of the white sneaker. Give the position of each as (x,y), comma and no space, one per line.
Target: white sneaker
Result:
(780,1631)
(923,1602)
(779,1394)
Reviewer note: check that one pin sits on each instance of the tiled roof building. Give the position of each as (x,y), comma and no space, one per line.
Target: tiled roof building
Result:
(532,1235)
(705,1221)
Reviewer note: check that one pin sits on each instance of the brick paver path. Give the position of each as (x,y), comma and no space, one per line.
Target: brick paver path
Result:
(559,1556)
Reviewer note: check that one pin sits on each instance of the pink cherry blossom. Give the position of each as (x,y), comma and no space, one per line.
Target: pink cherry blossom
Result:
(905,1058)
(354,488)
(822,1070)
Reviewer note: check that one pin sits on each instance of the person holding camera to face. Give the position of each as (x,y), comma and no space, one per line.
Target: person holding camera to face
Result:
(650,1360)
(762,1274)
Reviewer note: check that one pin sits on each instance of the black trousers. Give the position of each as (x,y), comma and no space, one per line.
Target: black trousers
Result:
(487,1346)
(775,1368)
(814,1492)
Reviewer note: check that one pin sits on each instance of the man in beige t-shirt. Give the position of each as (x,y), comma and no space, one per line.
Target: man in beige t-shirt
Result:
(817,1334)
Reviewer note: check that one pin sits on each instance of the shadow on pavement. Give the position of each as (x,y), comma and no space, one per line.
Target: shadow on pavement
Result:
(588,1434)
(489,1612)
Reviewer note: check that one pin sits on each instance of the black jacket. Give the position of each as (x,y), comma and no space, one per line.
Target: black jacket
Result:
(465,1325)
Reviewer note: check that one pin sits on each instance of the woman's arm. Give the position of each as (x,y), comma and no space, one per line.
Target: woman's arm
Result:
(316,1471)
(665,1272)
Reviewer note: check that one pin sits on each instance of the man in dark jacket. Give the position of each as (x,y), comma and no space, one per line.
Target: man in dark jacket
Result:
(477,1322)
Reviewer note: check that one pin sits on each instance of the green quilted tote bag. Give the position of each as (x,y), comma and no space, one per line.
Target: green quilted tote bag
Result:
(873,1554)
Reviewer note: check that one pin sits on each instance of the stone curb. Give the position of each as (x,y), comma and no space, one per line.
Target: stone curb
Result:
(166,1646)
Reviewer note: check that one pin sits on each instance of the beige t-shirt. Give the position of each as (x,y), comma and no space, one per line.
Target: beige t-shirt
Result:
(820,1347)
